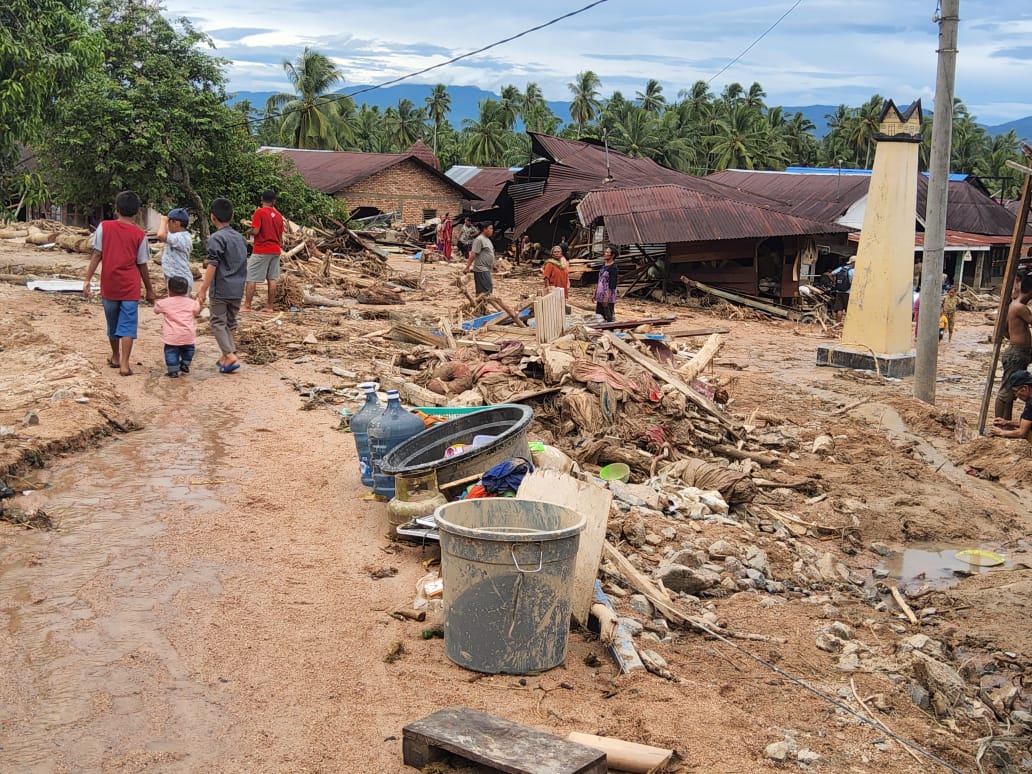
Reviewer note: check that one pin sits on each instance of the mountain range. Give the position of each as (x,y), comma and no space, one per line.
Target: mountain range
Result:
(464,100)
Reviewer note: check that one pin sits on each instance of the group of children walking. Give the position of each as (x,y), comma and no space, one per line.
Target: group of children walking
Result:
(121,251)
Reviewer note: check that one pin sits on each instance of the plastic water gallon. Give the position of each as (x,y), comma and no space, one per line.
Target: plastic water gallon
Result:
(394,426)
(371,409)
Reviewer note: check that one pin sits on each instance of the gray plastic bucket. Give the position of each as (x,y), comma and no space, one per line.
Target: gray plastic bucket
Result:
(507,567)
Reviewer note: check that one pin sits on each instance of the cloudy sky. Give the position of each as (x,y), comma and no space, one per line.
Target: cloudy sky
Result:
(824,52)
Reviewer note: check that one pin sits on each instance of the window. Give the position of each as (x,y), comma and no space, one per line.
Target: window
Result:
(428,214)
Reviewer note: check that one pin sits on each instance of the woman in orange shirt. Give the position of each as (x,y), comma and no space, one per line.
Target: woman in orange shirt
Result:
(557,272)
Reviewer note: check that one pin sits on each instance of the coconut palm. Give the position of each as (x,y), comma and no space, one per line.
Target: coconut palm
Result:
(307,113)
(585,105)
(530,108)
(652,99)
(636,133)
(370,134)
(511,104)
(754,97)
(403,125)
(438,104)
(485,136)
(737,139)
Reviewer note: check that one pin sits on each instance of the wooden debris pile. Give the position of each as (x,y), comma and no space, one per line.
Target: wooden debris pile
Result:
(44,233)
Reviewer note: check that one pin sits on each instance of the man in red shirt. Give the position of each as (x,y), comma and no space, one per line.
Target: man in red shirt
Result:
(120,249)
(264,263)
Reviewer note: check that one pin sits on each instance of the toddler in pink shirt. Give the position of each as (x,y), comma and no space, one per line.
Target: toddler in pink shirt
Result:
(178,329)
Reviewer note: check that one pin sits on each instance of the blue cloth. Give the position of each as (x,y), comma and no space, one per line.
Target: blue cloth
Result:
(178,356)
(505,476)
(122,317)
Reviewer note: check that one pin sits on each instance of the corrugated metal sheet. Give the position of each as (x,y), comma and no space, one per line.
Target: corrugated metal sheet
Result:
(960,240)
(333,171)
(827,195)
(575,167)
(672,213)
(488,183)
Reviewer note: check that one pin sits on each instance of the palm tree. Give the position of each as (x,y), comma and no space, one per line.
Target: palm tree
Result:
(585,105)
(370,135)
(247,114)
(511,105)
(802,147)
(637,133)
(754,97)
(652,99)
(732,94)
(307,113)
(485,137)
(530,109)
(737,139)
(992,167)
(438,104)
(404,125)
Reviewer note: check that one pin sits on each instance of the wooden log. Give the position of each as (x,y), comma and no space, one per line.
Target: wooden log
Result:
(314,299)
(690,332)
(294,250)
(447,333)
(702,358)
(625,756)
(504,307)
(413,333)
(13,233)
(907,611)
(726,450)
(658,371)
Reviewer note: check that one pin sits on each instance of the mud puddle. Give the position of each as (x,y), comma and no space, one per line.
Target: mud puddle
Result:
(84,603)
(940,566)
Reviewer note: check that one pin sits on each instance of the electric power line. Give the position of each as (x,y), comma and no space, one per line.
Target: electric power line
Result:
(453,60)
(781,18)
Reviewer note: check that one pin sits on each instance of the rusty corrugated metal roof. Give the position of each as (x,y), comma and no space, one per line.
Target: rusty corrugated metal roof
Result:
(486,182)
(827,196)
(333,171)
(575,167)
(960,240)
(422,150)
(673,213)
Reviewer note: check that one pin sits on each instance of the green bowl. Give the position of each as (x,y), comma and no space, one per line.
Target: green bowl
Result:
(617,471)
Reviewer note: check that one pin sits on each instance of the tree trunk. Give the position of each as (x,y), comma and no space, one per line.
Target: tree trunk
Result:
(195,201)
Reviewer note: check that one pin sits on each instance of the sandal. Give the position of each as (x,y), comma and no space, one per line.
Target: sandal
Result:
(228,369)
(112,364)
(126,373)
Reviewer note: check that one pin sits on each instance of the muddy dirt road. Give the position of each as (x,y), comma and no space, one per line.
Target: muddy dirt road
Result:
(207,601)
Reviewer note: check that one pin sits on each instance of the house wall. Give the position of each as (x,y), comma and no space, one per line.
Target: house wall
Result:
(726,264)
(406,188)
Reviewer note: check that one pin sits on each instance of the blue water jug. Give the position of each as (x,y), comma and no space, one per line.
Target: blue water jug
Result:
(371,409)
(394,426)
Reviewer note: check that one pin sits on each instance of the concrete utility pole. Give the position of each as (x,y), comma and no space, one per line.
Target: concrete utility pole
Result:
(935,213)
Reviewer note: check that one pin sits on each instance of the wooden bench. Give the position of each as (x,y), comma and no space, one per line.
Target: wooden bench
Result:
(492,741)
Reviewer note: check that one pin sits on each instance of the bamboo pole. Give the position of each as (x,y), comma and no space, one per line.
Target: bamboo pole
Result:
(1005,292)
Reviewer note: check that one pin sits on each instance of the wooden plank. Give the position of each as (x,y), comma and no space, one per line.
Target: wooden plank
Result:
(643,585)
(492,741)
(590,501)
(688,333)
(623,324)
(550,316)
(736,298)
(702,358)
(658,371)
(625,756)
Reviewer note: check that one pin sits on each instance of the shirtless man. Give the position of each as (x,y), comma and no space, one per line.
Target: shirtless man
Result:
(1021,385)
(1018,354)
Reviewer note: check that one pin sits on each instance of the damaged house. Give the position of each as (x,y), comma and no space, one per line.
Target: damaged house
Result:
(409,184)
(680,225)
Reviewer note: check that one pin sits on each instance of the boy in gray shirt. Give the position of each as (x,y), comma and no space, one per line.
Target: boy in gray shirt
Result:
(224,277)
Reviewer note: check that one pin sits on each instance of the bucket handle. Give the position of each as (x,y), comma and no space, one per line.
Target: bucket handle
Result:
(516,563)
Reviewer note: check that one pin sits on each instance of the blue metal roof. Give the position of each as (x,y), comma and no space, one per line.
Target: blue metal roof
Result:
(955,177)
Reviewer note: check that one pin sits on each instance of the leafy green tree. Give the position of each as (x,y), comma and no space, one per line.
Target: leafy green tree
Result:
(370,133)
(533,107)
(511,104)
(403,125)
(637,133)
(652,99)
(737,139)
(585,105)
(154,119)
(486,138)
(308,113)
(438,105)
(46,48)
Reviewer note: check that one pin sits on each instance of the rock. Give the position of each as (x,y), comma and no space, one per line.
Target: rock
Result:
(921,642)
(829,643)
(62,395)
(631,626)
(776,751)
(941,680)
(634,530)
(849,663)
(823,445)
(654,662)
(919,696)
(82,399)
(679,578)
(669,533)
(686,557)
(735,567)
(714,501)
(623,493)
(757,559)
(640,604)
(880,572)
(711,618)
(830,611)
(720,549)
(754,575)
(807,756)
(881,549)
(653,539)
(1019,716)
(30,419)
(310,339)
(879,702)
(841,630)
(831,569)
(729,584)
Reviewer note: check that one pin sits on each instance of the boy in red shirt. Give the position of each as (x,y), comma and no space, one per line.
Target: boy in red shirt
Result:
(178,329)
(264,263)
(120,249)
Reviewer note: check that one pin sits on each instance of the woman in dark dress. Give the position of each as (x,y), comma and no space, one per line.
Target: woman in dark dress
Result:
(605,291)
